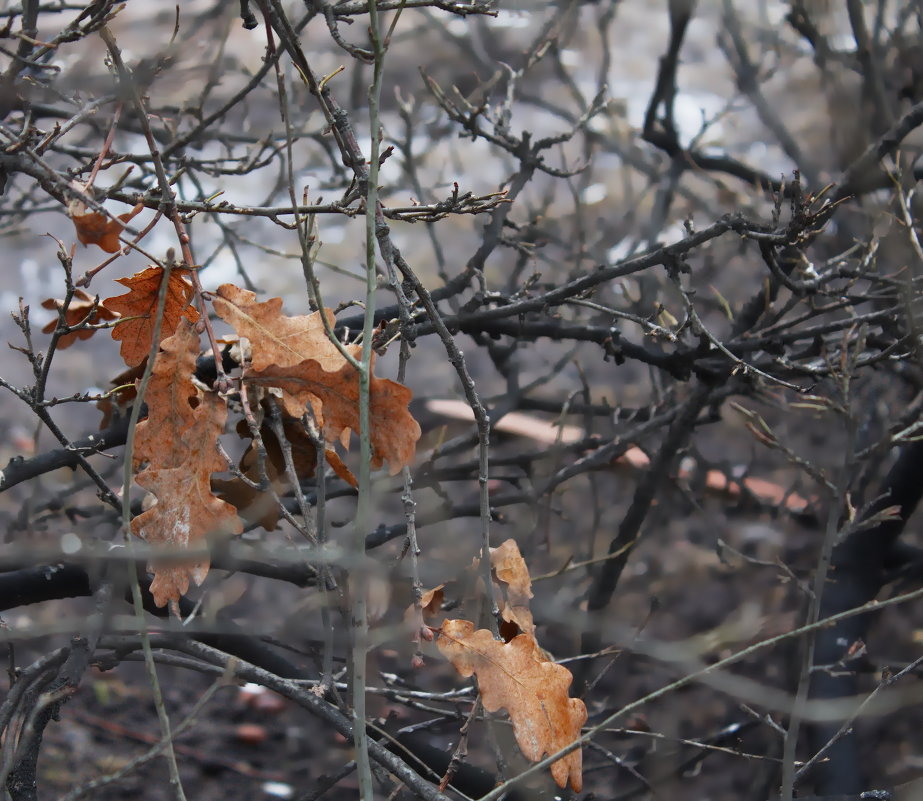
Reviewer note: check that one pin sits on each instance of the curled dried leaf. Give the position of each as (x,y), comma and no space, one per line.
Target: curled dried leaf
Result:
(511,570)
(294,357)
(95,228)
(517,676)
(430,605)
(82,309)
(334,400)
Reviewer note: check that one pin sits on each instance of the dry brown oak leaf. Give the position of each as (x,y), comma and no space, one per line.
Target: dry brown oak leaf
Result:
(162,438)
(516,676)
(140,304)
(275,338)
(181,454)
(394,432)
(511,570)
(82,309)
(95,228)
(294,355)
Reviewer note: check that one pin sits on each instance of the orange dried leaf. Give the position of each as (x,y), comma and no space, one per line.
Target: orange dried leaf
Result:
(140,304)
(431,601)
(95,228)
(80,310)
(294,354)
(334,400)
(255,507)
(339,468)
(185,513)
(163,439)
(430,606)
(510,568)
(304,454)
(186,510)
(517,677)
(276,339)
(179,443)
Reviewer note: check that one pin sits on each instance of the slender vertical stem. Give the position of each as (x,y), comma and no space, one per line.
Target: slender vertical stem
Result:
(363,512)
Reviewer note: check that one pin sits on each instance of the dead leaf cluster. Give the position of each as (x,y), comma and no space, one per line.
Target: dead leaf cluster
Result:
(293,373)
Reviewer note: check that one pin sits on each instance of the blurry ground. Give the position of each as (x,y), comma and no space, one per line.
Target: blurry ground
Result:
(675,586)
